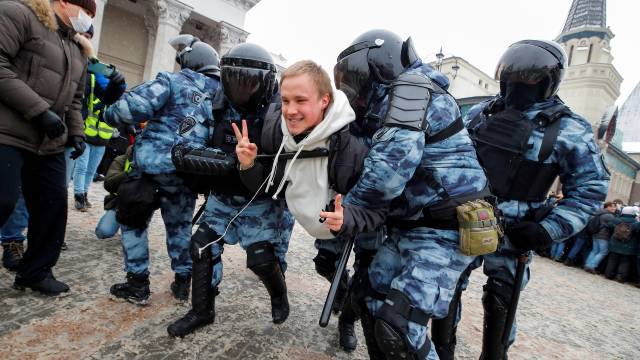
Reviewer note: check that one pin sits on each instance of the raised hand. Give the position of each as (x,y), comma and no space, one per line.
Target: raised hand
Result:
(246,150)
(333,219)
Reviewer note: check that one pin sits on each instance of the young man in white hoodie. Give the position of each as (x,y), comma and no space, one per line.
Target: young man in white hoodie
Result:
(315,159)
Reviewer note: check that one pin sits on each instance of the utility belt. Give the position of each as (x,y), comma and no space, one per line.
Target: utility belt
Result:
(475,216)
(443,215)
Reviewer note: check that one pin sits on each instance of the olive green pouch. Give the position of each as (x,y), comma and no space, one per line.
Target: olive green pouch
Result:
(479,228)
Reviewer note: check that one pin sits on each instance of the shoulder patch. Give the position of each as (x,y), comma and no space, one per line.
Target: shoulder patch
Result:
(410,97)
(196,97)
(187,124)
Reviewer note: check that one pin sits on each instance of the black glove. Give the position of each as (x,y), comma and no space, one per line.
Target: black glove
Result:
(116,77)
(77,143)
(130,130)
(528,235)
(50,123)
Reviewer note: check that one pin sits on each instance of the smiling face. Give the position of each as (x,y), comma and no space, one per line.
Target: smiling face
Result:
(303,106)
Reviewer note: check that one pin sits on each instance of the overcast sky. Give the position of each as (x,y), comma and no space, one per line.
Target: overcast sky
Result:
(478,31)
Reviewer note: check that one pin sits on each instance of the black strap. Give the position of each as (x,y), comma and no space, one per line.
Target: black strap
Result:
(550,119)
(550,135)
(303,154)
(453,128)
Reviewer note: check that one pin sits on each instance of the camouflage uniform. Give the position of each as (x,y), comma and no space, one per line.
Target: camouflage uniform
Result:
(584,179)
(421,263)
(174,104)
(264,220)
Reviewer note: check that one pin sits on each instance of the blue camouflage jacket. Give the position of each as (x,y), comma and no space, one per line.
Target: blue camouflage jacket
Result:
(582,173)
(388,186)
(173,104)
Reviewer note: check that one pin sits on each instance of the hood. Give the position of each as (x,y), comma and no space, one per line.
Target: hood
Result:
(338,115)
(44,12)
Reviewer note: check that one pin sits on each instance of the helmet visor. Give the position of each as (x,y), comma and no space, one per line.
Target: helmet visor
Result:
(245,88)
(352,76)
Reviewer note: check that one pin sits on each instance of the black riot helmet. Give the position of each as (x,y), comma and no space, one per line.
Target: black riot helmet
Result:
(377,56)
(530,71)
(196,55)
(248,77)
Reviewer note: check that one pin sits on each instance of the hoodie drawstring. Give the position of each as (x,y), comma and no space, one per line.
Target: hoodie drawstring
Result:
(274,167)
(286,173)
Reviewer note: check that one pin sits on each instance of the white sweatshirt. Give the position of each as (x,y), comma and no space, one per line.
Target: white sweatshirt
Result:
(308,190)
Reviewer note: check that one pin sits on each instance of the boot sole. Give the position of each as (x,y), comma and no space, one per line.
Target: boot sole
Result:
(134,301)
(24,288)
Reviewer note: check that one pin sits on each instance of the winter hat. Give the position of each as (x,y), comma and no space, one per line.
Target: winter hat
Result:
(89,5)
(628,210)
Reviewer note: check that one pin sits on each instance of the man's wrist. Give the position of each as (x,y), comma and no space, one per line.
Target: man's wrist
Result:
(247,167)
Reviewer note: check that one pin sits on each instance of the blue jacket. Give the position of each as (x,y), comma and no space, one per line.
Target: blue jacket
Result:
(389,185)
(172,104)
(583,175)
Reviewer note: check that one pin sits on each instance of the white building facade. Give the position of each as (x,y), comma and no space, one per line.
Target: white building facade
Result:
(133,34)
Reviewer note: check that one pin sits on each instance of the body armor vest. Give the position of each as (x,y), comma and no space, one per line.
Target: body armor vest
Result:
(224,139)
(501,143)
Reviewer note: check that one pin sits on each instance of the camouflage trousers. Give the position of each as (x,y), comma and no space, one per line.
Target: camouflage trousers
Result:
(177,203)
(263,220)
(424,264)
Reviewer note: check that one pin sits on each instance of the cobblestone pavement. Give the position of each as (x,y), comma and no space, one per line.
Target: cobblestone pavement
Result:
(565,313)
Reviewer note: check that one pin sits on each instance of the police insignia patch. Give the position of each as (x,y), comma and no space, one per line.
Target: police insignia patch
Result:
(196,97)
(187,124)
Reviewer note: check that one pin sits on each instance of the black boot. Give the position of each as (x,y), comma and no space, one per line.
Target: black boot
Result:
(86,200)
(495,302)
(262,261)
(80,203)
(180,287)
(202,294)
(12,254)
(135,290)
(368,328)
(49,286)
(347,332)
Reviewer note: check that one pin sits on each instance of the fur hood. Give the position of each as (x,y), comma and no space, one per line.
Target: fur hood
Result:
(44,12)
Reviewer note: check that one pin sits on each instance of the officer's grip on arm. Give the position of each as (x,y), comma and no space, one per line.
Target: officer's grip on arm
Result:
(205,161)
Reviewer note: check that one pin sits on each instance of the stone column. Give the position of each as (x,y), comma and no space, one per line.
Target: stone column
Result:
(230,36)
(97,23)
(163,22)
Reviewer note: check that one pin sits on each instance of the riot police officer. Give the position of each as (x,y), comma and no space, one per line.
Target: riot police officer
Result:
(234,214)
(421,157)
(526,137)
(172,104)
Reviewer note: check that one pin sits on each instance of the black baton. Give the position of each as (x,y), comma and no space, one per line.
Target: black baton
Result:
(199,213)
(515,297)
(331,296)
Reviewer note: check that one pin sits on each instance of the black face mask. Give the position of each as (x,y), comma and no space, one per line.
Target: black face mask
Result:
(520,96)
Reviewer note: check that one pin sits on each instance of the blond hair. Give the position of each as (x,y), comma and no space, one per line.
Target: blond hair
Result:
(317,74)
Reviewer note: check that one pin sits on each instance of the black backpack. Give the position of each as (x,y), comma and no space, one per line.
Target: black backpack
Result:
(594,226)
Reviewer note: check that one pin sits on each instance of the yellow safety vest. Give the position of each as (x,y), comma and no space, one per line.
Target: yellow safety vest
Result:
(92,125)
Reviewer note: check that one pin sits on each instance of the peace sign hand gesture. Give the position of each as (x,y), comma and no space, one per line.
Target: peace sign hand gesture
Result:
(246,150)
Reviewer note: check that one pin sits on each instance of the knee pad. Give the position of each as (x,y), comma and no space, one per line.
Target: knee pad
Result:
(325,263)
(261,259)
(391,327)
(200,239)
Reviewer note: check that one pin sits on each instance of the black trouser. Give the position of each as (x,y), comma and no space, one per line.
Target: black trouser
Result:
(618,265)
(45,194)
